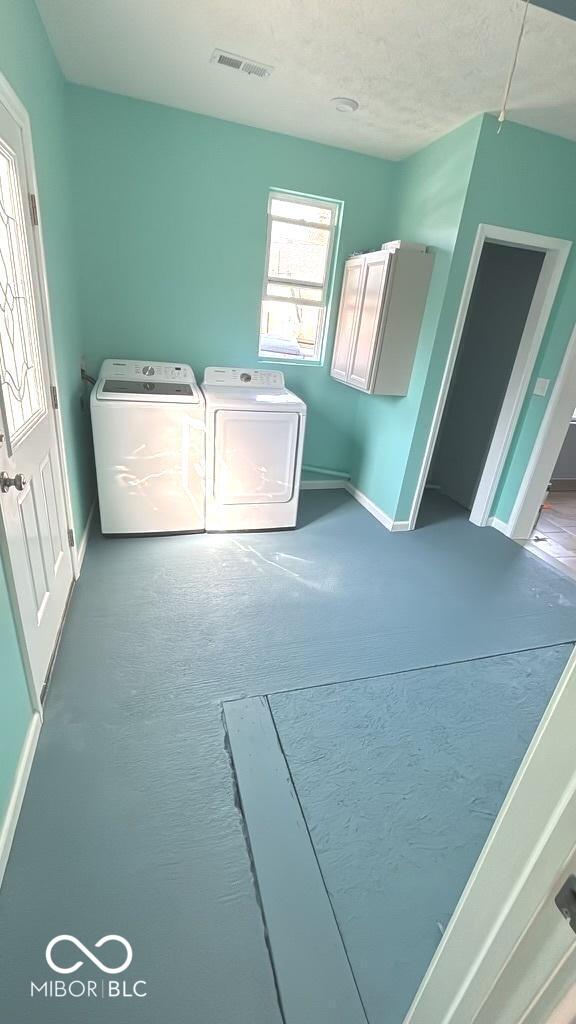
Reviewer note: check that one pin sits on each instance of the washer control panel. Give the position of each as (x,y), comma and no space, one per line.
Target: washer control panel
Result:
(235,377)
(131,369)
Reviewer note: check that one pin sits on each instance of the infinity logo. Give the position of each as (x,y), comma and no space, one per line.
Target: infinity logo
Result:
(80,945)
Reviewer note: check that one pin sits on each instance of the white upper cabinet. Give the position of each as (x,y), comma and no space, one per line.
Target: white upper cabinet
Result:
(381,309)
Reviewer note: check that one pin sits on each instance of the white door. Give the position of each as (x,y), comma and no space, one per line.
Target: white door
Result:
(34,528)
(540,976)
(344,340)
(255,456)
(369,319)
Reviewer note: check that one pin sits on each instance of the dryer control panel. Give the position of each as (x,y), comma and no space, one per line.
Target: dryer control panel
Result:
(132,369)
(235,377)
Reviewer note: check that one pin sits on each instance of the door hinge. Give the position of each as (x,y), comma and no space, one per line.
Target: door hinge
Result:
(71,540)
(43,692)
(54,396)
(565,900)
(33,209)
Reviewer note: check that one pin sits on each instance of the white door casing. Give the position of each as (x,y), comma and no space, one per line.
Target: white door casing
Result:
(34,513)
(547,447)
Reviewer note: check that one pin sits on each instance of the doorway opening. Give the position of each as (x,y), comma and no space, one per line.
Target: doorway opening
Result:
(502,294)
(546,257)
(554,253)
(553,536)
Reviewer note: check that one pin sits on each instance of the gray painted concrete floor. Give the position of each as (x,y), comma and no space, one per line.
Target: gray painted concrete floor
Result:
(129,824)
(400,779)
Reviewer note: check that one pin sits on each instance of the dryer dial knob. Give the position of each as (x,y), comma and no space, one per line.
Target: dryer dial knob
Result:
(148,371)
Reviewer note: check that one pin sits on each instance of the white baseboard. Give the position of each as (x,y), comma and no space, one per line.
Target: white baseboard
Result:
(323,485)
(401,525)
(394,525)
(8,827)
(81,549)
(499,525)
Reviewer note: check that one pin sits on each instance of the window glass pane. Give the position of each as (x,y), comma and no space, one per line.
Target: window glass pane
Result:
(290,329)
(298,251)
(294,291)
(301,211)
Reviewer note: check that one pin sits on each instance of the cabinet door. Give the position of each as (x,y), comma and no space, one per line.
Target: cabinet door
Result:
(369,319)
(344,340)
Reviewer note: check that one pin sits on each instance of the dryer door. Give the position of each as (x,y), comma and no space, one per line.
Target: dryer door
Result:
(255,456)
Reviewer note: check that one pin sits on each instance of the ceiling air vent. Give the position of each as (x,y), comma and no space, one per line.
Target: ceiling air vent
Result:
(249,67)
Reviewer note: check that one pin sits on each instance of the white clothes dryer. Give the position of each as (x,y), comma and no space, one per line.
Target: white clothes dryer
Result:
(254,443)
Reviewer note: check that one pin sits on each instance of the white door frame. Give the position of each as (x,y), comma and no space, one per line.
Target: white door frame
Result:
(17,110)
(544,456)
(556,250)
(523,862)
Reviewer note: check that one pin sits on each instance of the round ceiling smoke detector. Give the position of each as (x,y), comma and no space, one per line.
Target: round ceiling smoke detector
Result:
(344,104)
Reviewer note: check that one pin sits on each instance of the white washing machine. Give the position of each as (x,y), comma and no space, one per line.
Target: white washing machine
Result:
(149,440)
(254,443)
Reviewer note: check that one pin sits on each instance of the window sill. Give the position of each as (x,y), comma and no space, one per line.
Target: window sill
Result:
(286,361)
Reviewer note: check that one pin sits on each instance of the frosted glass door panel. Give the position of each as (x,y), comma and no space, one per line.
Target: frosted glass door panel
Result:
(22,391)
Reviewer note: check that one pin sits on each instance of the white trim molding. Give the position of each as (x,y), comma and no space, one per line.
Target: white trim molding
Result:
(557,250)
(546,450)
(499,525)
(328,484)
(394,525)
(79,552)
(8,826)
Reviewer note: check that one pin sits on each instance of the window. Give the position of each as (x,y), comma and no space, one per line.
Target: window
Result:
(299,260)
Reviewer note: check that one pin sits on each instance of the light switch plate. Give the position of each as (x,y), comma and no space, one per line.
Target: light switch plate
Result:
(541,386)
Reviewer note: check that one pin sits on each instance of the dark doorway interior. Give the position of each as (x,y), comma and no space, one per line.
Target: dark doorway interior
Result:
(500,302)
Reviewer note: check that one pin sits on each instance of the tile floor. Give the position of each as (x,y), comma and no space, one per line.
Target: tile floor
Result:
(555,532)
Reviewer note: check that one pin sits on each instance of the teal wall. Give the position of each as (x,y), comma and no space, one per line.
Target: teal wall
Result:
(430,193)
(526,179)
(521,179)
(170,210)
(29,65)
(185,283)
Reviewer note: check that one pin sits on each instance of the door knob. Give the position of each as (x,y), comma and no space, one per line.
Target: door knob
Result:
(6,482)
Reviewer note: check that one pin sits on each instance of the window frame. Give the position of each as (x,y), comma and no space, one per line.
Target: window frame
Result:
(323,303)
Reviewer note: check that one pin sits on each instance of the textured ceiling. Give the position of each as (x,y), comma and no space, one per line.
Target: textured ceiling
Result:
(418,68)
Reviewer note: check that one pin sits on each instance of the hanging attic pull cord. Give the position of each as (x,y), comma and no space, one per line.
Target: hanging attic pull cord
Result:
(502,114)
